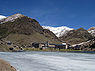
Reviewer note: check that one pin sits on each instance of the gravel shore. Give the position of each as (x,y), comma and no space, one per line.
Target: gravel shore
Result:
(5,66)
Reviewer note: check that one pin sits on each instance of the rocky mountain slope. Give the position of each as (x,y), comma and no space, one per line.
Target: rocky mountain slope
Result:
(77,36)
(58,31)
(23,30)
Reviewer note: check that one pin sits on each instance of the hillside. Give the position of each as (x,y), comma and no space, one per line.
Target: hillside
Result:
(23,30)
(77,36)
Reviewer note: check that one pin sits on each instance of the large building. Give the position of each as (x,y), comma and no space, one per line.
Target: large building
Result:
(48,45)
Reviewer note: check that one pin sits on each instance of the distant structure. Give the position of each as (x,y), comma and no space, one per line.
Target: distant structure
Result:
(48,45)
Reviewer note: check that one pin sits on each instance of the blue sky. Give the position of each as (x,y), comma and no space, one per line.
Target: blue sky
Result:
(71,13)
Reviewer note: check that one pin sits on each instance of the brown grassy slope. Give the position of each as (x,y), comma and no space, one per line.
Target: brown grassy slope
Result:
(21,39)
(4,48)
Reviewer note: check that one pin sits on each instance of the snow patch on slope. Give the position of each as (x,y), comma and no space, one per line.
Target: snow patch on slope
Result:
(58,31)
(2,17)
(92,31)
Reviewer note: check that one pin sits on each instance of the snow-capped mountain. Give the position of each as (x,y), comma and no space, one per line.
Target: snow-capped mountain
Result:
(2,17)
(12,18)
(58,31)
(92,31)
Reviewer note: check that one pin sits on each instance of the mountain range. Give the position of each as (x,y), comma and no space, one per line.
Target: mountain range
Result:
(21,29)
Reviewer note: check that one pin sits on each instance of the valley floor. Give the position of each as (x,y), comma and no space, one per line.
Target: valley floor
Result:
(58,50)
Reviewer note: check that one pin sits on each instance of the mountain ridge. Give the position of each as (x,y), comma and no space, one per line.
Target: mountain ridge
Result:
(58,31)
(77,36)
(29,30)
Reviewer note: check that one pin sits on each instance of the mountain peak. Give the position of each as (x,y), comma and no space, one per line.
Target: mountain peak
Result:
(12,18)
(17,15)
(81,29)
(58,31)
